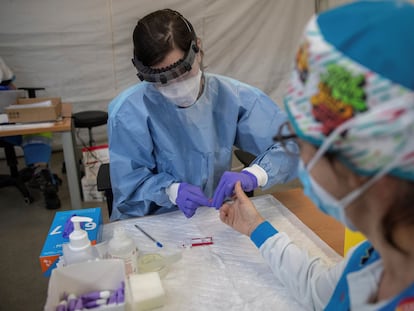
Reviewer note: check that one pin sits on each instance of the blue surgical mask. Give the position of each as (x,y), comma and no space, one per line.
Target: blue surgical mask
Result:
(323,199)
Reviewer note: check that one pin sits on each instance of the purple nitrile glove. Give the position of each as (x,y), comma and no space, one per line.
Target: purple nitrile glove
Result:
(68,227)
(189,198)
(227,182)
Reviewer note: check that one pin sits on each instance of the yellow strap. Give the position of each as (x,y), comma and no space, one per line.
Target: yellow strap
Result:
(44,134)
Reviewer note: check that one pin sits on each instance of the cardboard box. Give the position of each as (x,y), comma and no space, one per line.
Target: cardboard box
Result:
(86,277)
(52,248)
(22,112)
(90,190)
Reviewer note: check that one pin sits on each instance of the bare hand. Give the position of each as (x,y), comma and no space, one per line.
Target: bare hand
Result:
(241,214)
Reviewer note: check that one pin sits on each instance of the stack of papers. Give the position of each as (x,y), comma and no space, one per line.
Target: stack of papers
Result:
(47,103)
(26,126)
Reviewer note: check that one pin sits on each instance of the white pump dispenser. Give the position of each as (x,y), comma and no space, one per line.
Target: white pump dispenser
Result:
(79,248)
(78,239)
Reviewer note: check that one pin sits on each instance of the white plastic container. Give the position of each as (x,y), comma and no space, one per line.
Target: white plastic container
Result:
(121,246)
(79,248)
(85,277)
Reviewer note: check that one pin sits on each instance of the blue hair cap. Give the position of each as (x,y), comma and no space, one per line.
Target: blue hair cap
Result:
(377,34)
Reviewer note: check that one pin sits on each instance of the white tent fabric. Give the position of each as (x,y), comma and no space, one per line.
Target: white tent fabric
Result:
(81,50)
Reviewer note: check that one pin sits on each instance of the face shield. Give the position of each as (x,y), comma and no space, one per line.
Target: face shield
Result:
(171,72)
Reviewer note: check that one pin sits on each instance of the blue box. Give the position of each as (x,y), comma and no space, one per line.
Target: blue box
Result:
(52,249)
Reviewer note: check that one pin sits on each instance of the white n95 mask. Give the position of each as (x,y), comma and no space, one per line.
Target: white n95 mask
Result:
(183,93)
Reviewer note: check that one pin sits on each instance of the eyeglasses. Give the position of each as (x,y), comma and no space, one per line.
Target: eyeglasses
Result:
(286,139)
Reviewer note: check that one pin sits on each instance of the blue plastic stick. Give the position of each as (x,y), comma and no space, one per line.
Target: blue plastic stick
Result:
(150,237)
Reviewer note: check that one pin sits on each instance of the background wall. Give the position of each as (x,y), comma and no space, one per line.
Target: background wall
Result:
(81,50)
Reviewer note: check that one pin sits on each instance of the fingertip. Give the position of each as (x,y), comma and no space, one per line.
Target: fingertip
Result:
(238,187)
(189,213)
(239,191)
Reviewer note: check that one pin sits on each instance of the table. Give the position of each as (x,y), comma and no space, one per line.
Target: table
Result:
(327,228)
(64,126)
(230,274)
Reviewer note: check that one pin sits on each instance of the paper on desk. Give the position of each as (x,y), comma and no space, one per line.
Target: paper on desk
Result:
(46,103)
(26,126)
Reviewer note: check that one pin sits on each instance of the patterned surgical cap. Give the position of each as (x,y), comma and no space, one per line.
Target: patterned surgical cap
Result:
(353,84)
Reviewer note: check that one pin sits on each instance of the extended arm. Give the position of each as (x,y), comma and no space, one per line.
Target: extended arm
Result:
(307,279)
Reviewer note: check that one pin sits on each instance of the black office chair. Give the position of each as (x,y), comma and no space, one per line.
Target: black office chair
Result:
(15,178)
(31,91)
(90,119)
(103,183)
(87,119)
(245,158)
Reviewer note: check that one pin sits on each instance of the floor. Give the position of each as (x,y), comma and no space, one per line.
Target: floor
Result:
(23,229)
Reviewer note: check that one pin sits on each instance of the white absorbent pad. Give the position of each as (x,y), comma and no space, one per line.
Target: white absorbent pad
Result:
(146,291)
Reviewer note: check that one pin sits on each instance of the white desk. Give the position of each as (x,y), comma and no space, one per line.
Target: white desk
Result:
(64,126)
(230,274)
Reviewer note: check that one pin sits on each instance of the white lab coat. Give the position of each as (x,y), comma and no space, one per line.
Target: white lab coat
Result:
(311,282)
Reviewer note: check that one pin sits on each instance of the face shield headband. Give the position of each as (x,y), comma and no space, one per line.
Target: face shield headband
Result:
(165,74)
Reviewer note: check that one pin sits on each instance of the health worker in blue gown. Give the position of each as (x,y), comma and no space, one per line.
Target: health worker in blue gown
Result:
(171,135)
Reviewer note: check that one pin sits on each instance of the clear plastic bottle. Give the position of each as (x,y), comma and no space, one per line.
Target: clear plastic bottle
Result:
(79,248)
(121,246)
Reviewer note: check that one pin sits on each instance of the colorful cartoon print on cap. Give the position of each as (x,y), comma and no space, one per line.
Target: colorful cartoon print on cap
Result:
(340,95)
(367,119)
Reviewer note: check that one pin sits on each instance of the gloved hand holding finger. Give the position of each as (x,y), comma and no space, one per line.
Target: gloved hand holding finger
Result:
(241,214)
(227,182)
(189,198)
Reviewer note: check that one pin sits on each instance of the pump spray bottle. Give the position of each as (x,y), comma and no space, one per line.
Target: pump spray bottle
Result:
(121,246)
(79,248)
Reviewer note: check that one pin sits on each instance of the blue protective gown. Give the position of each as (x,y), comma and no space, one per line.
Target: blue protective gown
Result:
(153,143)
